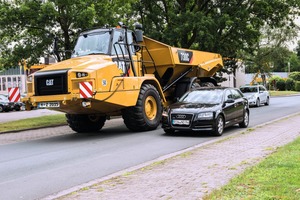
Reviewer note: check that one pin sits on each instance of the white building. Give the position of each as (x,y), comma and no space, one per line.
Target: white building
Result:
(239,77)
(13,77)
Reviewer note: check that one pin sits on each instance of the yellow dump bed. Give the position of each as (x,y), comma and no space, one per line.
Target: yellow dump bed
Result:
(205,64)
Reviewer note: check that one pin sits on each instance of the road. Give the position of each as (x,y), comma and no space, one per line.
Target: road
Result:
(35,169)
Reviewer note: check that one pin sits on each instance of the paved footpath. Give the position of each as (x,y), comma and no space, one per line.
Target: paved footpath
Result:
(192,173)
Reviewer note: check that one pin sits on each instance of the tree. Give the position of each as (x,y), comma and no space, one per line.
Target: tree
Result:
(231,28)
(271,53)
(298,49)
(294,61)
(28,28)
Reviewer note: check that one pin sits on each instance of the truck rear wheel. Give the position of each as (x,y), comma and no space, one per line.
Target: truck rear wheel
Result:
(85,123)
(146,114)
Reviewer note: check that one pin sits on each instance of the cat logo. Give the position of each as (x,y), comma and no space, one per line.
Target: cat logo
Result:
(50,82)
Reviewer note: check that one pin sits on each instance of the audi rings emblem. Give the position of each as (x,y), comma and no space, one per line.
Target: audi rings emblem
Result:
(180,116)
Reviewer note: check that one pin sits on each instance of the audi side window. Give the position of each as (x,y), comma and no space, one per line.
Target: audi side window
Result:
(236,94)
(228,95)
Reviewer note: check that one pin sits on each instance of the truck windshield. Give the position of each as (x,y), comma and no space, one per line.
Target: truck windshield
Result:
(95,43)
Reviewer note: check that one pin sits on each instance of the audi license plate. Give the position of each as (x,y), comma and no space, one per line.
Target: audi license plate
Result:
(48,105)
(180,122)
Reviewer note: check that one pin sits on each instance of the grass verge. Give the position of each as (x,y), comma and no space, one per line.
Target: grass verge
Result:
(36,122)
(282,93)
(277,177)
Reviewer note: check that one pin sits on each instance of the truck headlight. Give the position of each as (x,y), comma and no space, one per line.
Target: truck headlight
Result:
(205,115)
(29,78)
(81,74)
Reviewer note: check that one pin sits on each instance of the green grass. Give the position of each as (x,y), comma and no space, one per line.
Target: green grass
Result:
(36,122)
(282,93)
(277,177)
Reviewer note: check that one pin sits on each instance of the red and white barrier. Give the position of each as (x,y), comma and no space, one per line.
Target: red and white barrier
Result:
(86,89)
(14,94)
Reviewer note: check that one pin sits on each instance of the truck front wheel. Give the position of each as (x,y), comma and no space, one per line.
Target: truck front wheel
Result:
(85,123)
(146,114)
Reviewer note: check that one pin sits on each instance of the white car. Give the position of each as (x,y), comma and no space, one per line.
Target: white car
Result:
(256,95)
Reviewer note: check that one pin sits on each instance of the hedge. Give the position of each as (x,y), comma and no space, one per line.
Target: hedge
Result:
(297,86)
(289,84)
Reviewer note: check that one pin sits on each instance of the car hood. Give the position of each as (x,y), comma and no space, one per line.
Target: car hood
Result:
(193,107)
(249,94)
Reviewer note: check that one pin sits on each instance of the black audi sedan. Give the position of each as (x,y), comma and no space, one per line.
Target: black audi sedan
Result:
(207,109)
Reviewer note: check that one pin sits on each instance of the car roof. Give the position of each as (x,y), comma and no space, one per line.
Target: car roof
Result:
(212,88)
(251,86)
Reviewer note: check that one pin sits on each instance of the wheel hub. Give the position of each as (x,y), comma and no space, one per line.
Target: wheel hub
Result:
(150,107)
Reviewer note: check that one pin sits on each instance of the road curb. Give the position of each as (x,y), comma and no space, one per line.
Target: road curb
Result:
(160,159)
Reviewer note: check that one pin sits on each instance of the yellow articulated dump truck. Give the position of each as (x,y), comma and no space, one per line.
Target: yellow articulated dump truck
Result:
(119,72)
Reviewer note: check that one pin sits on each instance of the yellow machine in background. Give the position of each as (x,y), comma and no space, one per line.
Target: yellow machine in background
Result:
(116,71)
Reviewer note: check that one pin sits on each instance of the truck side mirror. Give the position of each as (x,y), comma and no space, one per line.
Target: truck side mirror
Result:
(139,36)
(138,33)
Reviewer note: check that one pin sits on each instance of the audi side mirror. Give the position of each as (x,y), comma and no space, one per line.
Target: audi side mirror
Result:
(229,101)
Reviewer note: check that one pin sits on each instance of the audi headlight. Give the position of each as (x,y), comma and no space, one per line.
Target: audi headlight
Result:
(81,74)
(205,115)
(165,113)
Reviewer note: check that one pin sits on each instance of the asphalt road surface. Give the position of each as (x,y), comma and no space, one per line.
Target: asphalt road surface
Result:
(37,168)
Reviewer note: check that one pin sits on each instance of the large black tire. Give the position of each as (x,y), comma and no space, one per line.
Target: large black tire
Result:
(1,108)
(146,114)
(85,123)
(207,84)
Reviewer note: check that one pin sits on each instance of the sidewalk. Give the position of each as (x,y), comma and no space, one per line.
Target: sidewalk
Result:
(194,172)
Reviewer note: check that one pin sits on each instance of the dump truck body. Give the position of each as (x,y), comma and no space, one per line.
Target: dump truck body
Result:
(115,71)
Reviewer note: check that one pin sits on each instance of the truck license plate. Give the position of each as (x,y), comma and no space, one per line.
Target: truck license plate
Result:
(181,122)
(48,105)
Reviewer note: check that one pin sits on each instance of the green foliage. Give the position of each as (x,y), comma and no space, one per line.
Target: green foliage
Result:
(298,49)
(297,86)
(280,85)
(28,28)
(272,82)
(294,61)
(231,28)
(295,76)
(283,93)
(289,84)
(36,122)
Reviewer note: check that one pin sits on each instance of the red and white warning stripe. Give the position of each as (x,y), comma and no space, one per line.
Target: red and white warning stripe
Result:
(86,89)
(14,94)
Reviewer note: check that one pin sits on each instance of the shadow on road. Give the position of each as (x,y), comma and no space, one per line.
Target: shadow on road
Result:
(200,134)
